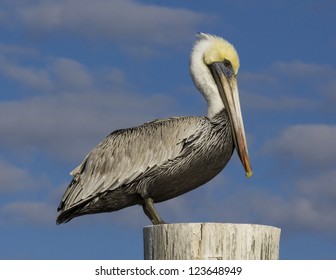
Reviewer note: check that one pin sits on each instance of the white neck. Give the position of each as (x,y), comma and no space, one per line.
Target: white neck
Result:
(203,79)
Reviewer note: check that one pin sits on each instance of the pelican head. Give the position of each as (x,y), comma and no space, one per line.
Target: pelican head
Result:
(214,65)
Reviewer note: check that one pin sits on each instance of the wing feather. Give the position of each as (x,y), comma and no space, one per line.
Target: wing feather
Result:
(129,154)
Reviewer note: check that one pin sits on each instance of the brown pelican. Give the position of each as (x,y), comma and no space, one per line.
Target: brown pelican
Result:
(165,158)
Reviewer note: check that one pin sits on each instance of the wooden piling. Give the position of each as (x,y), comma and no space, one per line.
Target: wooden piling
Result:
(211,241)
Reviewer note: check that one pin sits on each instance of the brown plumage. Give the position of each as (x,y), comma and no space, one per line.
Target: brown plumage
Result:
(165,158)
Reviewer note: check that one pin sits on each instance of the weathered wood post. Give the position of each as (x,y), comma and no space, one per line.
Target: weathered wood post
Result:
(211,241)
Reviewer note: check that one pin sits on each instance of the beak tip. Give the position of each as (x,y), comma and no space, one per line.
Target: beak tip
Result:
(248,174)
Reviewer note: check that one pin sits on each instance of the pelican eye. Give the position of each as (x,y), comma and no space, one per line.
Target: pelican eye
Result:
(227,63)
(227,68)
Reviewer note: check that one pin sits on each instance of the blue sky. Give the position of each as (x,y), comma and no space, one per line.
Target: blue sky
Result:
(72,71)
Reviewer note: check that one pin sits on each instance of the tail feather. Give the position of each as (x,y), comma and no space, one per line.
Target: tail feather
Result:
(70,213)
(65,217)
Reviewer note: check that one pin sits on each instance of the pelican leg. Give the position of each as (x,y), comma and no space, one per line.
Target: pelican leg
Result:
(151,212)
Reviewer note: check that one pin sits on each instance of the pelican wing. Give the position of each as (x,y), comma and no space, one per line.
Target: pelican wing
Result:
(129,154)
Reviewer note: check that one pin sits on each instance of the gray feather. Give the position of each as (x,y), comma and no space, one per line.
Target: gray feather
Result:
(160,159)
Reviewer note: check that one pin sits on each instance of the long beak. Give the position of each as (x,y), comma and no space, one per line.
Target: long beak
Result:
(228,90)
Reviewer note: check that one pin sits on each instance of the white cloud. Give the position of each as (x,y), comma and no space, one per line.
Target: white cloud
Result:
(309,72)
(67,125)
(19,64)
(305,199)
(75,112)
(329,91)
(126,20)
(299,213)
(321,185)
(36,213)
(116,77)
(13,178)
(26,75)
(8,50)
(289,87)
(294,211)
(275,103)
(252,77)
(311,145)
(70,74)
